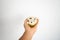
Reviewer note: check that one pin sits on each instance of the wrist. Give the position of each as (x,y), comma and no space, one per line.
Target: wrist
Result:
(29,33)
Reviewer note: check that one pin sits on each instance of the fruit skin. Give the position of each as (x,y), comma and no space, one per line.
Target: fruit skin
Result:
(31,25)
(33,20)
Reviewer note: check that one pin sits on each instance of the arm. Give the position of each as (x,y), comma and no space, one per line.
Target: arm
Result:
(28,31)
(26,36)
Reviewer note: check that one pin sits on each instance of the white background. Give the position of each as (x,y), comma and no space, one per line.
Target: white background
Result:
(14,12)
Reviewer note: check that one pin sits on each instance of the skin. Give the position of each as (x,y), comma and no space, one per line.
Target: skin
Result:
(28,31)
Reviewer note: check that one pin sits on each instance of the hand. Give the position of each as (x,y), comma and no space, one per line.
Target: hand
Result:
(28,31)
(28,28)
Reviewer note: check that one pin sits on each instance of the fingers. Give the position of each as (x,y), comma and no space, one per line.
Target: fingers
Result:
(25,23)
(36,23)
